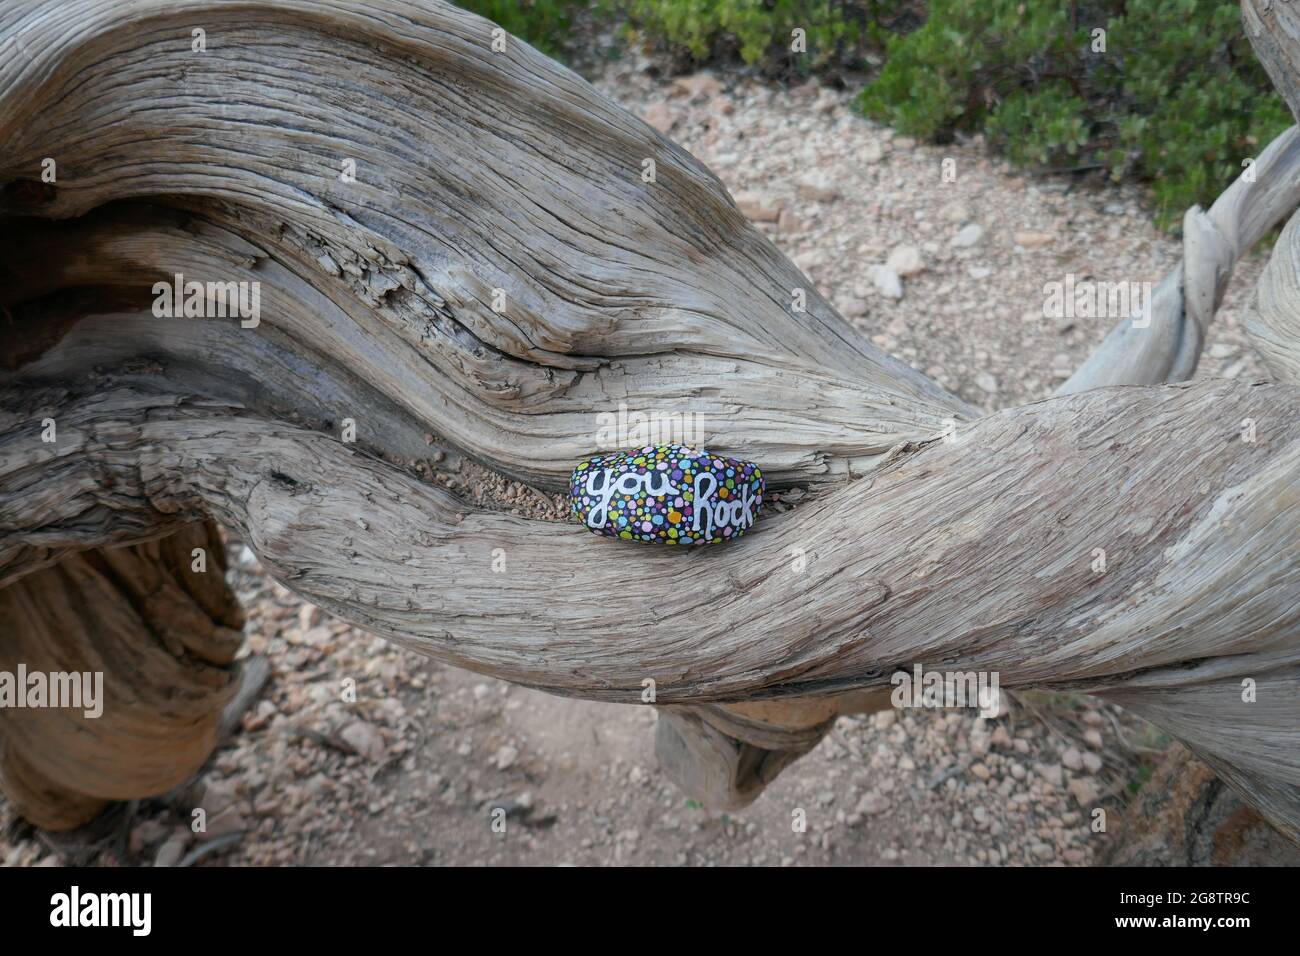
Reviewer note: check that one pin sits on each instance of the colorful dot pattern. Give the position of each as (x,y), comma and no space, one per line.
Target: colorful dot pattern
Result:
(658,505)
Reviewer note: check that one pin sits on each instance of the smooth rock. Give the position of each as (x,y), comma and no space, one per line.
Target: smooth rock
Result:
(886,280)
(309,615)
(818,187)
(1072,759)
(697,88)
(661,116)
(364,739)
(1084,791)
(853,308)
(170,853)
(810,260)
(667,494)
(1042,851)
(1032,240)
(906,261)
(956,212)
(872,804)
(759,207)
(968,235)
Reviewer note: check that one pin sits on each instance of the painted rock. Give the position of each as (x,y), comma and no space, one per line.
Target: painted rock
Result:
(669,494)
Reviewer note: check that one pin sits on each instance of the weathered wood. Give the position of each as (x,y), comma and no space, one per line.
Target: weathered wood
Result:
(725,754)
(1164,342)
(383,287)
(971,553)
(499,274)
(1273,29)
(493,171)
(1274,323)
(162,636)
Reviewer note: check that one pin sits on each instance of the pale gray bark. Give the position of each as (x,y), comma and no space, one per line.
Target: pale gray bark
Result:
(1164,342)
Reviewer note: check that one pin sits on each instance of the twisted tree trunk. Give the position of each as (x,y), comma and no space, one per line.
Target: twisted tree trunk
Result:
(158,622)
(457,241)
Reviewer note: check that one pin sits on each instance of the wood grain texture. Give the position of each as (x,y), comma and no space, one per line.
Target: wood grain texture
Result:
(1274,323)
(475,171)
(164,638)
(973,553)
(1273,28)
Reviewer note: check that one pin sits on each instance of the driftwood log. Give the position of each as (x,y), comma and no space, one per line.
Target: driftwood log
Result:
(456,240)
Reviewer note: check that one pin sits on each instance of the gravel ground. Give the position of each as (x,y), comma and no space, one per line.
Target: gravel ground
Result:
(947,275)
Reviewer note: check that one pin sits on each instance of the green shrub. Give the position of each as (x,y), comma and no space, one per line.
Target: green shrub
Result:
(1176,97)
(546,24)
(761,32)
